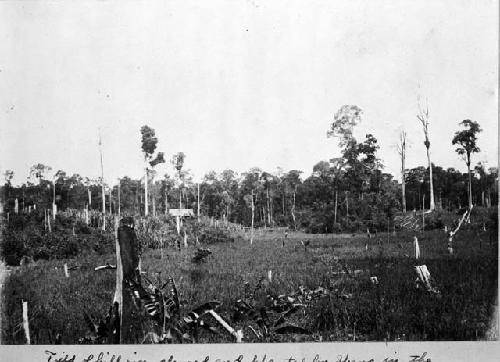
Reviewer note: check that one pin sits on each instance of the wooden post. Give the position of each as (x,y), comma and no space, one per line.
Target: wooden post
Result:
(178,224)
(185,239)
(16,206)
(26,324)
(66,272)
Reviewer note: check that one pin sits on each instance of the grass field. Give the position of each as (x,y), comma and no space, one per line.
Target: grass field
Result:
(351,308)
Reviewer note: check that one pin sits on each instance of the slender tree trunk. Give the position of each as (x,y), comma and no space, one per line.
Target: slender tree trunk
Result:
(166,201)
(198,203)
(146,211)
(119,207)
(139,197)
(102,188)
(153,198)
(54,206)
(293,212)
(268,208)
(253,212)
(347,204)
(423,212)
(432,206)
(335,213)
(90,197)
(283,204)
(470,182)
(402,153)
(272,210)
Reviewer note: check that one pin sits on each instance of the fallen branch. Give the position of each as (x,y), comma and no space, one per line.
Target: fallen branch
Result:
(465,216)
(107,266)
(236,334)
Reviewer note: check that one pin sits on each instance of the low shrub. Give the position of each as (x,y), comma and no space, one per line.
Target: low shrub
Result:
(212,235)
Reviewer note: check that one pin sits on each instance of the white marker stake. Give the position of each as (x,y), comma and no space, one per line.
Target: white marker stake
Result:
(26,324)
(417,247)
(270,276)
(66,272)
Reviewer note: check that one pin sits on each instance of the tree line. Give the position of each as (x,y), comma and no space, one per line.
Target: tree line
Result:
(342,193)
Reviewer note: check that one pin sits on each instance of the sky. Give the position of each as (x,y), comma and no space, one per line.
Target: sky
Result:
(238,84)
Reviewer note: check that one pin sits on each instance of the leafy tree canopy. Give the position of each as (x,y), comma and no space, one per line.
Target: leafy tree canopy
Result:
(149,141)
(467,139)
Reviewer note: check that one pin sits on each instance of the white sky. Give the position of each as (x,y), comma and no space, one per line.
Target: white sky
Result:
(236,84)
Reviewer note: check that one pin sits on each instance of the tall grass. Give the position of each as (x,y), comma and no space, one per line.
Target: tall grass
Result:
(354,309)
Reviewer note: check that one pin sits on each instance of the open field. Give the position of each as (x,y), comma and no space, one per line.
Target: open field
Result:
(348,307)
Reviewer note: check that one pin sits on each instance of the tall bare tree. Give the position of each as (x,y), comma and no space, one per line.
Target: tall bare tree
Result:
(402,154)
(102,186)
(423,117)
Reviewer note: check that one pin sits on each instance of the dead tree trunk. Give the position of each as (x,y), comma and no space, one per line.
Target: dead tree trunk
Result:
(102,187)
(423,116)
(402,154)
(127,270)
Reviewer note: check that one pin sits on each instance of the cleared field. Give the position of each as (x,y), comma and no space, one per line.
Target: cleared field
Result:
(350,306)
